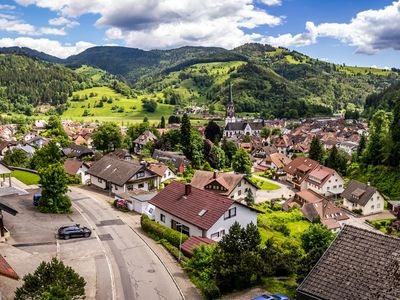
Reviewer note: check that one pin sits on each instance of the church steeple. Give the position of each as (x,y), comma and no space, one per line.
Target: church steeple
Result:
(230,108)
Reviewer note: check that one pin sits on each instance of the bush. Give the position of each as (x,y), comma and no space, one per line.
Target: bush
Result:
(162,232)
(210,290)
(357,211)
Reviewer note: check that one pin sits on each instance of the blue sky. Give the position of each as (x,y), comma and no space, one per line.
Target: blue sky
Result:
(358,32)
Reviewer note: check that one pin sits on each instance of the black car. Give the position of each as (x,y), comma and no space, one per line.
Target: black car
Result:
(73,231)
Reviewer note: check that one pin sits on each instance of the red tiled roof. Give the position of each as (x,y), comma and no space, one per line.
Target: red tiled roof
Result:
(172,199)
(322,174)
(301,163)
(6,270)
(159,169)
(193,242)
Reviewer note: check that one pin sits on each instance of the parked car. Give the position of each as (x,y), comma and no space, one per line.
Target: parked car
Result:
(271,297)
(73,231)
(36,198)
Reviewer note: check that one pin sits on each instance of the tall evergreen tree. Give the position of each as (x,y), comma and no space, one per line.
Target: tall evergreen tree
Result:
(186,136)
(361,146)
(162,124)
(316,150)
(394,154)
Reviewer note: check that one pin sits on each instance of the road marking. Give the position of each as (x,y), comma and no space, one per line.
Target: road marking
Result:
(110,268)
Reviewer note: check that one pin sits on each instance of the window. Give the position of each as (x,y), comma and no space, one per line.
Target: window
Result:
(328,188)
(340,185)
(162,218)
(239,192)
(372,206)
(130,187)
(151,210)
(230,213)
(99,180)
(222,232)
(116,187)
(141,185)
(140,174)
(240,184)
(215,235)
(334,186)
(378,205)
(184,229)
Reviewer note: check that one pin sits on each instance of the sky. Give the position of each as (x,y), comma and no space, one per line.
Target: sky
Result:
(353,32)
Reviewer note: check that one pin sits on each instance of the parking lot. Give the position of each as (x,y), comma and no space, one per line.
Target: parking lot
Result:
(33,240)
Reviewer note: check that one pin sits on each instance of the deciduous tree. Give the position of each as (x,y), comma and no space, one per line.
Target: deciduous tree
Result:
(52,280)
(54,183)
(107,137)
(16,157)
(241,162)
(213,132)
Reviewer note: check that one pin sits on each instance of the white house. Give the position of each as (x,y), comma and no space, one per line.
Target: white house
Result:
(163,171)
(118,176)
(325,181)
(137,200)
(297,171)
(79,168)
(197,212)
(361,196)
(142,141)
(231,185)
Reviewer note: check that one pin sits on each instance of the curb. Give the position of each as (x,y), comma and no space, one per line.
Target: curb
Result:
(165,266)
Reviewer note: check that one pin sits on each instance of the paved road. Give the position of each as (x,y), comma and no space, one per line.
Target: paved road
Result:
(136,273)
(114,261)
(263,195)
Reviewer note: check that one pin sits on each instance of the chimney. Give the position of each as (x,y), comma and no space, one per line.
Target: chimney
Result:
(188,189)
(215,174)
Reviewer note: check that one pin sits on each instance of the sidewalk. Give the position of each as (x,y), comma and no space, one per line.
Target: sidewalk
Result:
(187,288)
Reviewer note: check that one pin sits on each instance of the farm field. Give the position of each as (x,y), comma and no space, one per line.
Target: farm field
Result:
(121,110)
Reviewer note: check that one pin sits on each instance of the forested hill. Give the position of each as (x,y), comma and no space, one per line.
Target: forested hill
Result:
(385,100)
(26,82)
(132,64)
(275,81)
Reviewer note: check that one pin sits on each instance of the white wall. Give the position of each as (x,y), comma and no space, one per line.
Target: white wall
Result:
(373,206)
(193,230)
(97,182)
(167,175)
(244,216)
(333,186)
(243,190)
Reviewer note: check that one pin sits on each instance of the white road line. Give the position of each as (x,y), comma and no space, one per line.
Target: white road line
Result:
(110,268)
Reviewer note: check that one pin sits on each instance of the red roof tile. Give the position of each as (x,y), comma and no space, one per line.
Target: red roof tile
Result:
(193,242)
(6,270)
(173,200)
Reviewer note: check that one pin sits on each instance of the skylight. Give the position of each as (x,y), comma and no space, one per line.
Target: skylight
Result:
(202,212)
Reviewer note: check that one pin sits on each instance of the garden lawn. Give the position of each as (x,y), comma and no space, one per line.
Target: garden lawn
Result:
(26,177)
(265,185)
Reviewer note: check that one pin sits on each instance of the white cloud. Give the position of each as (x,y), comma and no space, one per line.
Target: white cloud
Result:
(272,2)
(170,23)
(18,26)
(369,31)
(7,7)
(60,21)
(51,47)
(302,39)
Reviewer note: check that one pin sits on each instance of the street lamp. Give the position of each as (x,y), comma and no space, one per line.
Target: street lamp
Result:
(180,242)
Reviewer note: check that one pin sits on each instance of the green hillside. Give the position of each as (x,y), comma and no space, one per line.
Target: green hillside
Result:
(119,109)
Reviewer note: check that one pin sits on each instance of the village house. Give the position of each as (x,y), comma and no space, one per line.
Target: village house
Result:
(317,208)
(359,264)
(364,197)
(142,141)
(77,151)
(78,168)
(163,171)
(348,146)
(297,171)
(242,128)
(137,200)
(232,185)
(325,181)
(198,212)
(177,159)
(118,176)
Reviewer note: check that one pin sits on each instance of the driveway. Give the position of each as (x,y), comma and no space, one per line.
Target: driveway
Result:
(283,192)
(114,261)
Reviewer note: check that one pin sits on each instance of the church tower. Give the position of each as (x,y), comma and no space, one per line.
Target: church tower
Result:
(230,108)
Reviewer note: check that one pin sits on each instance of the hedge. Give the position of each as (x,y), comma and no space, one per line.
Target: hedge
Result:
(162,232)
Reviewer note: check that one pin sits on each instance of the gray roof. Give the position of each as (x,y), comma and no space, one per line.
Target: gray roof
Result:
(115,170)
(359,264)
(74,150)
(176,158)
(358,192)
(242,125)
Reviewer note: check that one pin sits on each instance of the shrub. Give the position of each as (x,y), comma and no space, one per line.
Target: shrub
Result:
(357,211)
(210,290)
(162,232)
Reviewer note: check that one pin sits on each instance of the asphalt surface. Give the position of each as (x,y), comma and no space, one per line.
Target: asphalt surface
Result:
(114,261)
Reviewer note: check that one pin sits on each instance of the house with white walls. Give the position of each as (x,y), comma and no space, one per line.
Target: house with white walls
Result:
(325,181)
(116,175)
(197,212)
(231,185)
(364,197)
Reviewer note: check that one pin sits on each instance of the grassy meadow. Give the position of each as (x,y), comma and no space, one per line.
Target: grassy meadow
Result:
(129,110)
